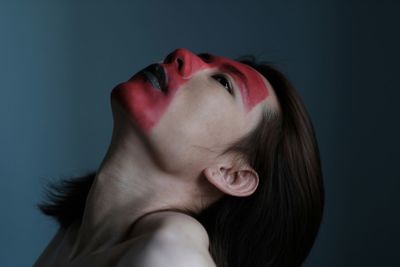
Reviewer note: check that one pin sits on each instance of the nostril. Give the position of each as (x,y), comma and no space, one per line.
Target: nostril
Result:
(180,63)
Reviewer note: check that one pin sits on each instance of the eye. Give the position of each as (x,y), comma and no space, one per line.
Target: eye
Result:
(224,82)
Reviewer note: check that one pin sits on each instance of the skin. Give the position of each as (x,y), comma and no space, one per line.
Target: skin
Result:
(165,153)
(147,105)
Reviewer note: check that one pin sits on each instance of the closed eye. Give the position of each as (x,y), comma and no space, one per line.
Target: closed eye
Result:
(224,81)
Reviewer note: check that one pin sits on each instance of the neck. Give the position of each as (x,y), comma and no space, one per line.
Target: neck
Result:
(128,185)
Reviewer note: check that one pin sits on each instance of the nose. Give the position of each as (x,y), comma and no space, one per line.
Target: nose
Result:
(184,62)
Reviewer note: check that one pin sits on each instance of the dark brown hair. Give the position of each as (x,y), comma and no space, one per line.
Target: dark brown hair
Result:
(277,225)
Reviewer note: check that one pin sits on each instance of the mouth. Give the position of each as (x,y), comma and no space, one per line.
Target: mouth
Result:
(155,74)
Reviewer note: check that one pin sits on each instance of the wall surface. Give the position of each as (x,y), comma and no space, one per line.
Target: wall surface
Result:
(59,61)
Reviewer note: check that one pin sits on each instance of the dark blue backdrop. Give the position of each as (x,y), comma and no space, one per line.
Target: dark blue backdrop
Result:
(59,61)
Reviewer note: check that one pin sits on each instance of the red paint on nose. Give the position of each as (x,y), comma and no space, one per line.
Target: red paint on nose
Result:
(181,64)
(184,62)
(147,104)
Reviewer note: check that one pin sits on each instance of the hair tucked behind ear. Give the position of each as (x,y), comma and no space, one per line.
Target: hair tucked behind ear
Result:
(277,225)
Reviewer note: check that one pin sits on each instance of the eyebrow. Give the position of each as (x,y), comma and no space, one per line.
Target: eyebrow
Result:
(236,71)
(206,57)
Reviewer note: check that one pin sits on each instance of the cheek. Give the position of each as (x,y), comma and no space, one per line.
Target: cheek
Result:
(141,101)
(215,125)
(201,118)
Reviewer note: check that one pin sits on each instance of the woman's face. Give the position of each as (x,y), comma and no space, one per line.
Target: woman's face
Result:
(206,102)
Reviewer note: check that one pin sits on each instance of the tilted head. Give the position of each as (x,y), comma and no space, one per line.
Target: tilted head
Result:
(194,112)
(273,196)
(191,108)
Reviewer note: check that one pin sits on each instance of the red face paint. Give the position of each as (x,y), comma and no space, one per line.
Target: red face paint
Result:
(252,87)
(147,104)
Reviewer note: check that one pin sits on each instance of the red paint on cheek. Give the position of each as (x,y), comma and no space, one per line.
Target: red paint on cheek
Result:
(146,105)
(141,101)
(255,90)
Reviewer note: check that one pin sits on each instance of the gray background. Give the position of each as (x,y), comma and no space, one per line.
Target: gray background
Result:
(59,61)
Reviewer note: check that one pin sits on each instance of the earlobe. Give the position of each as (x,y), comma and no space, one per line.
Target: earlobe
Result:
(236,182)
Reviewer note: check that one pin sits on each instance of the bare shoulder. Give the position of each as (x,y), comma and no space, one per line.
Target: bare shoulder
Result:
(181,225)
(179,241)
(172,253)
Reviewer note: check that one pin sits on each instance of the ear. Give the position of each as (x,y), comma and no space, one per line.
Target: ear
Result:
(240,180)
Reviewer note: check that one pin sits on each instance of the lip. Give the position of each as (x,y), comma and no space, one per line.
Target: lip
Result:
(155,74)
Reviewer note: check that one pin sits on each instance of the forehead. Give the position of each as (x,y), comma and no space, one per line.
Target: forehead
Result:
(254,88)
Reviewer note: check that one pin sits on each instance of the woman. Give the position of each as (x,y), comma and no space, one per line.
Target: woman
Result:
(212,162)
